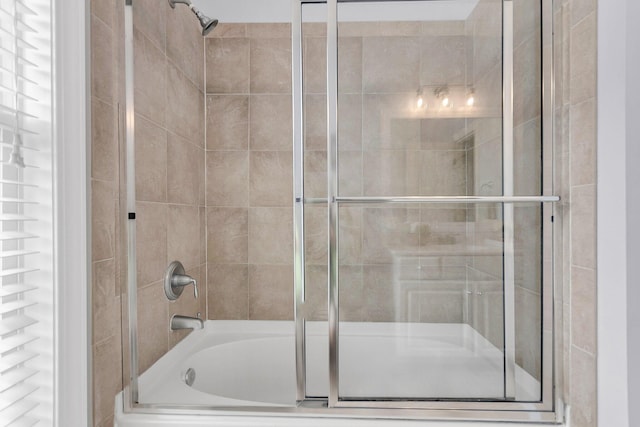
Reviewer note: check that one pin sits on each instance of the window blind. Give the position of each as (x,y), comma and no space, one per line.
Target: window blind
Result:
(26,255)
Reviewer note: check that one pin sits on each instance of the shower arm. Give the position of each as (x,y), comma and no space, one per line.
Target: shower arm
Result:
(173,3)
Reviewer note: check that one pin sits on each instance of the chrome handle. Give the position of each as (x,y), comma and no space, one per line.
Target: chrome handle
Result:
(175,280)
(181,280)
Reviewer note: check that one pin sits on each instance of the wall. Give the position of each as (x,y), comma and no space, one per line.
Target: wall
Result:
(575,59)
(249,172)
(169,155)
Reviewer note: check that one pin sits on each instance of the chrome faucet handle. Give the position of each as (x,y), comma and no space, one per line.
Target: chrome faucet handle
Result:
(175,280)
(180,280)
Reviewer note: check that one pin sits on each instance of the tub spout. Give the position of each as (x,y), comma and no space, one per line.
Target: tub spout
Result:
(185,322)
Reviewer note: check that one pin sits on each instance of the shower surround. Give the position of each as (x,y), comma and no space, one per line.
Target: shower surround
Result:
(246,164)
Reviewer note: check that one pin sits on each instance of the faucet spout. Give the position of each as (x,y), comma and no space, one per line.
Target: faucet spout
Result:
(185,322)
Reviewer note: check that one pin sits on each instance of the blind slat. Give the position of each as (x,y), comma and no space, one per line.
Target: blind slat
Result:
(9,254)
(14,271)
(24,422)
(17,410)
(14,394)
(11,343)
(15,359)
(15,217)
(15,377)
(10,307)
(14,324)
(15,289)
(14,235)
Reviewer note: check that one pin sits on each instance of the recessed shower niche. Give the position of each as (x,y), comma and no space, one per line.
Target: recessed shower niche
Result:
(364,193)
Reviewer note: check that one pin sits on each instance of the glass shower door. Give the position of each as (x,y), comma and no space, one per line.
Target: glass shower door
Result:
(424,205)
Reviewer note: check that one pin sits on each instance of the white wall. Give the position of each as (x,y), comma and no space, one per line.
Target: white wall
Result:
(633,207)
(618,208)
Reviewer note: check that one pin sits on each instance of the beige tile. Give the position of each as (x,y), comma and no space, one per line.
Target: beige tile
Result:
(228,178)
(316,292)
(444,28)
(400,28)
(358,29)
(270,292)
(150,66)
(315,237)
(315,122)
(270,124)
(386,231)
(268,30)
(271,178)
(227,231)
(228,291)
(203,234)
(378,293)
(583,309)
(103,220)
(107,422)
(400,70)
(270,65)
(442,60)
(185,172)
(580,9)
(391,172)
(103,10)
(528,247)
(583,226)
(583,143)
(349,174)
(583,389)
(383,124)
(227,65)
(151,241)
(185,111)
(350,123)
(315,174)
(352,293)
(349,65)
(151,161)
(314,29)
(150,18)
(350,235)
(103,141)
(107,379)
(185,44)
(153,324)
(488,168)
(183,235)
(527,66)
(227,122)
(102,61)
(527,157)
(270,236)
(105,304)
(228,30)
(526,20)
(314,65)
(528,331)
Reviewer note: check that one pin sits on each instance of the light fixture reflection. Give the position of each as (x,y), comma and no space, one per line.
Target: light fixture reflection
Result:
(471,98)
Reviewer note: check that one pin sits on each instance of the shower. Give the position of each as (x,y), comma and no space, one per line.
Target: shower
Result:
(207,23)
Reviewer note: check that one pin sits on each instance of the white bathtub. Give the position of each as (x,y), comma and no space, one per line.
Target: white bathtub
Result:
(251,363)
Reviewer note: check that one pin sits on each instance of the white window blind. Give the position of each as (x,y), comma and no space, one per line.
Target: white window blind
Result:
(26,194)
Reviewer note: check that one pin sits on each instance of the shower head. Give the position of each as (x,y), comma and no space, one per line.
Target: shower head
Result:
(206,23)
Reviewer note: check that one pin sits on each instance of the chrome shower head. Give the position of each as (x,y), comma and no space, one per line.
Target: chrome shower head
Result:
(206,23)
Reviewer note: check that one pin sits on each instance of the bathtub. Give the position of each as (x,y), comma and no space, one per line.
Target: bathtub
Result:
(237,364)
